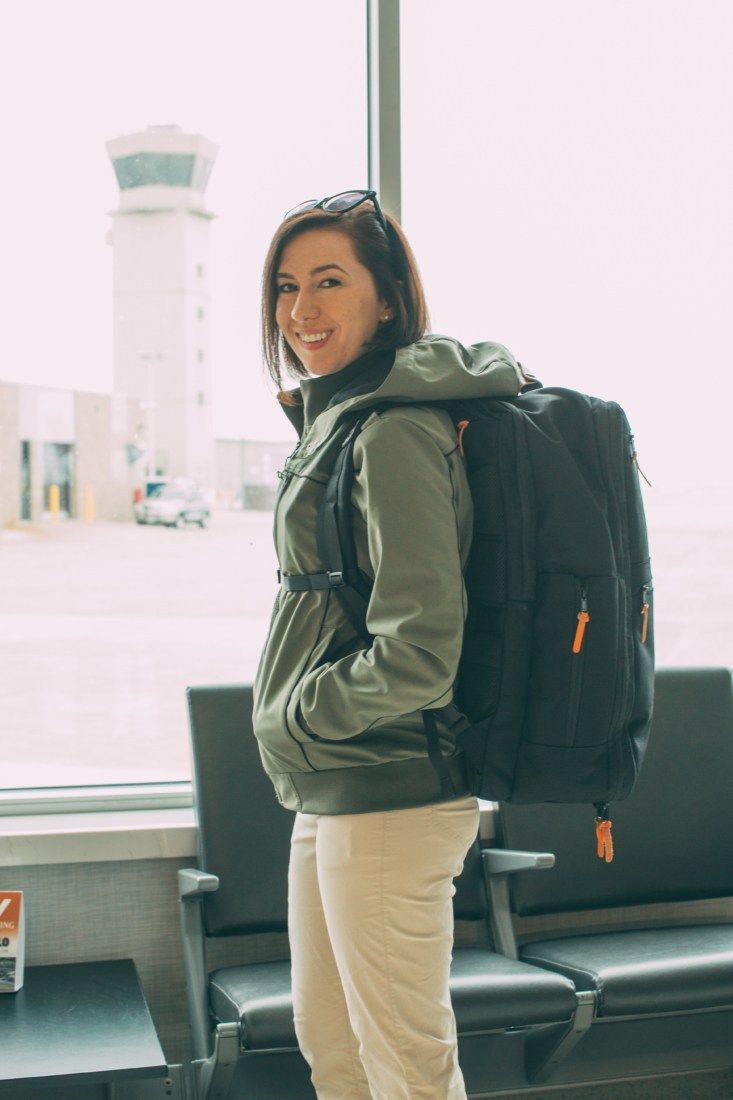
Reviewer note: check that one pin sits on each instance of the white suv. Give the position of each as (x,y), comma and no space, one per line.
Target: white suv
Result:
(173,505)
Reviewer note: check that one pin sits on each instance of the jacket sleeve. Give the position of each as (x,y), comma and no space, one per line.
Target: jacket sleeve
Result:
(405,493)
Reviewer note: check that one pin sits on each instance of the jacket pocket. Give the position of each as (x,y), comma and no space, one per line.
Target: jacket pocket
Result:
(333,641)
(576,663)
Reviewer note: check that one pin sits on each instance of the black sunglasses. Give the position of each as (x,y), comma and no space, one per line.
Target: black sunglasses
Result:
(339,204)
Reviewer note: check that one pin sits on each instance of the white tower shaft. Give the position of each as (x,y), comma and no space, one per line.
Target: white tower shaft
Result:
(160,239)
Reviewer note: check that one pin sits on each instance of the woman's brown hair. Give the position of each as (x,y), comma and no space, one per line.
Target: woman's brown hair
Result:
(388,257)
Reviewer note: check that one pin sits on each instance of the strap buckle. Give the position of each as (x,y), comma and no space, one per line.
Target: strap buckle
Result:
(302,582)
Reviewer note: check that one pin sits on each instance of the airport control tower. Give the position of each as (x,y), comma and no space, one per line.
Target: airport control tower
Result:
(160,241)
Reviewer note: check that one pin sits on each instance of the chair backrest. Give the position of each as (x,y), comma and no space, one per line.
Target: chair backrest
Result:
(244,832)
(673,835)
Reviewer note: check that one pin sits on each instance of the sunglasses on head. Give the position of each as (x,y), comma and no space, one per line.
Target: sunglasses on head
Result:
(339,204)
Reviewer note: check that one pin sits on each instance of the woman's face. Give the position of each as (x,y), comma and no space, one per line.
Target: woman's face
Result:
(323,290)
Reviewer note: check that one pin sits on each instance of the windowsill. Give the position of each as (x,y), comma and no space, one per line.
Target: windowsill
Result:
(93,837)
(28,840)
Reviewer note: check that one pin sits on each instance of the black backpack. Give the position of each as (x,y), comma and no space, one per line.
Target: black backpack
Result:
(554,693)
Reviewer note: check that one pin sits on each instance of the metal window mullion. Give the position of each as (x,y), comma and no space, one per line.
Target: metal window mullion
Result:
(383,103)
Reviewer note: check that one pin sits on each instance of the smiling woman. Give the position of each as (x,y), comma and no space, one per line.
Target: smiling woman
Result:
(327,320)
(381,827)
(347,277)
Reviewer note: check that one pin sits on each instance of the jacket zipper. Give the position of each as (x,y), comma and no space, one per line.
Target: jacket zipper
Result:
(576,668)
(285,475)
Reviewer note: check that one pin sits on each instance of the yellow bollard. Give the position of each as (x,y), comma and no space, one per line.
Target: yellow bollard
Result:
(88,503)
(54,500)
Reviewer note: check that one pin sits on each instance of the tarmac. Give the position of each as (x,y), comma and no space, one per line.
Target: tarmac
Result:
(103,625)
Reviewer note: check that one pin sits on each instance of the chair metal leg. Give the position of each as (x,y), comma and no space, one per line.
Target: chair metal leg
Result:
(214,1075)
(546,1049)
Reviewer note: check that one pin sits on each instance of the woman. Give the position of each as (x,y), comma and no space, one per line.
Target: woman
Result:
(377,840)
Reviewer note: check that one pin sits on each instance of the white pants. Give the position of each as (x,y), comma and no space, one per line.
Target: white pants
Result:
(370,922)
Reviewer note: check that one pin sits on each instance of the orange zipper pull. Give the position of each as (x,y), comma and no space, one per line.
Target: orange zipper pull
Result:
(644,611)
(462,425)
(583,618)
(636,463)
(604,840)
(635,460)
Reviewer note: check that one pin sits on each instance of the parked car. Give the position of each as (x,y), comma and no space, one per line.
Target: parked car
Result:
(173,505)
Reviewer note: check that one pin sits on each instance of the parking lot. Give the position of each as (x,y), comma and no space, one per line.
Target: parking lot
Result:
(104,625)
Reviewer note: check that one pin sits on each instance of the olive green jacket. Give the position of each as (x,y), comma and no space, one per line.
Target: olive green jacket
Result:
(338,721)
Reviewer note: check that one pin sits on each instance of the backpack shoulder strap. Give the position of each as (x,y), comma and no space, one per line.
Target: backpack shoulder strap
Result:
(336,547)
(335,536)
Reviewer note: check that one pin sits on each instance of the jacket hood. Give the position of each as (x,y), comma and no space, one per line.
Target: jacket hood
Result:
(435,368)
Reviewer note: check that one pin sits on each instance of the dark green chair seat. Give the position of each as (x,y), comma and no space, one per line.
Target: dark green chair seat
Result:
(650,970)
(488,992)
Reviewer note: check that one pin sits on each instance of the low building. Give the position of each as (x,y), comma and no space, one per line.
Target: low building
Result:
(81,455)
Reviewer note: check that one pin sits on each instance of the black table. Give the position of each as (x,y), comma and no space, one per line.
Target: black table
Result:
(79,1024)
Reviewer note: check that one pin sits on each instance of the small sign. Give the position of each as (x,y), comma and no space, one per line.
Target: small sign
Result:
(12,940)
(133,452)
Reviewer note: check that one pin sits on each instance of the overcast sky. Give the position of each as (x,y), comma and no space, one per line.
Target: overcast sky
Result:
(566,185)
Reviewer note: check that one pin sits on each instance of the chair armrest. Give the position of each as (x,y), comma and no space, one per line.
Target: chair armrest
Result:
(192,883)
(487,820)
(502,861)
(498,863)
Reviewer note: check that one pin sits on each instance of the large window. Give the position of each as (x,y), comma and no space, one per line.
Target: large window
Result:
(567,173)
(128,330)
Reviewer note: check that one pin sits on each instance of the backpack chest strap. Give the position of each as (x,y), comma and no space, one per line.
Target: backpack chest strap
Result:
(302,582)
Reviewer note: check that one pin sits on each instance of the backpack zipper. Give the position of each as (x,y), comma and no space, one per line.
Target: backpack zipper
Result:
(635,460)
(461,425)
(576,668)
(645,590)
(583,618)
(604,839)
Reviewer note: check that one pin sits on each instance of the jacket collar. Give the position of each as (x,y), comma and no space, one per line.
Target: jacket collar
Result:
(361,376)
(435,368)
(295,413)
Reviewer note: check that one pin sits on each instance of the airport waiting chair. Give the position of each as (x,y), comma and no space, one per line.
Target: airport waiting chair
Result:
(241,1016)
(663,995)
